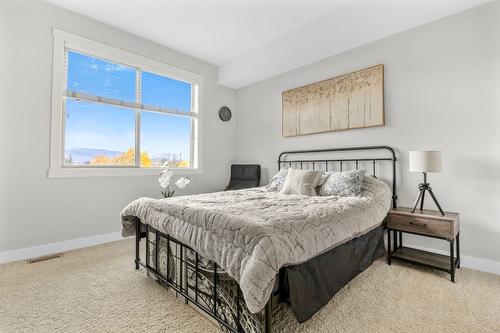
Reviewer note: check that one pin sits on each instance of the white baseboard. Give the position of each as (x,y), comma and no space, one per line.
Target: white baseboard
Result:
(483,265)
(42,250)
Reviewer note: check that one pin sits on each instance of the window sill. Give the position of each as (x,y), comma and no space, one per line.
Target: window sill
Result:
(115,172)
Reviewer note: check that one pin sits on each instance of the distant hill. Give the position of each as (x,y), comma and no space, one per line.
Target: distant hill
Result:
(84,155)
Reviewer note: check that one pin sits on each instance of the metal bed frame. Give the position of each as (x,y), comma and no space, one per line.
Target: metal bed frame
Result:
(187,279)
(341,162)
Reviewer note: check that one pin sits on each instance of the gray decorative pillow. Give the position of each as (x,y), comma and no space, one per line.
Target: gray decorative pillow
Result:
(301,182)
(344,184)
(276,183)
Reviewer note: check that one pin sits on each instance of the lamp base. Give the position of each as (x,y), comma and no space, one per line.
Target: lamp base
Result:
(423,187)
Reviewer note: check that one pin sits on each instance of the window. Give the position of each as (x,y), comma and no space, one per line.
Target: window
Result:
(117,113)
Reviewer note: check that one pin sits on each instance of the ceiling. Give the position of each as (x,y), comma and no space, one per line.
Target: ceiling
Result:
(251,40)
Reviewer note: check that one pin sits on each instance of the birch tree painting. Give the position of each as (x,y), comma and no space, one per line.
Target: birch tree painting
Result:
(354,100)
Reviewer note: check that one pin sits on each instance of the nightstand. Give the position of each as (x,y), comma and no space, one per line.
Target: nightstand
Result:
(426,223)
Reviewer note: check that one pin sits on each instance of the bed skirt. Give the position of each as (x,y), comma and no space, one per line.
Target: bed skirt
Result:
(309,286)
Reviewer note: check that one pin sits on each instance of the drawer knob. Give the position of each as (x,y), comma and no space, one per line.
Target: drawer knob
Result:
(420,225)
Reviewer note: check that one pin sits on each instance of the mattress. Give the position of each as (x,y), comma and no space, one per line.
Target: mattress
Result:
(253,233)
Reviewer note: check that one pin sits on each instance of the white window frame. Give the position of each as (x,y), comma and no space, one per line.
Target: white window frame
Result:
(65,40)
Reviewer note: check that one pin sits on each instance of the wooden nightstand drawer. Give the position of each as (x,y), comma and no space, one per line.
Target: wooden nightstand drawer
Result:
(420,225)
(424,222)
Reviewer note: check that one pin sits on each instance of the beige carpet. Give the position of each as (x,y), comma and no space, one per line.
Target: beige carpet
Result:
(97,290)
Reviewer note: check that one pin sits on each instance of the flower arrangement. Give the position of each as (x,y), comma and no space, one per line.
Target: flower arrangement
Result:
(164,180)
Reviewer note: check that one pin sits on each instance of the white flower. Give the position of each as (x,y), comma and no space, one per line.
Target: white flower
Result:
(165,177)
(182,182)
(166,172)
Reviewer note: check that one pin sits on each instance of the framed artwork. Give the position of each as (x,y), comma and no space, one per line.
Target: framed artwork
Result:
(354,100)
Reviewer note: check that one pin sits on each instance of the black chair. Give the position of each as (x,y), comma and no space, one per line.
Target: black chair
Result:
(244,176)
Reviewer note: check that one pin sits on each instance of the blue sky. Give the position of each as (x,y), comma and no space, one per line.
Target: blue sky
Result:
(98,126)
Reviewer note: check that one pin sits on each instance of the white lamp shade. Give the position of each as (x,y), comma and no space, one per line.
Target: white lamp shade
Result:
(425,161)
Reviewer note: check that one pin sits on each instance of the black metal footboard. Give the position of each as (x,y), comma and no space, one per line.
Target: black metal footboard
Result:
(199,281)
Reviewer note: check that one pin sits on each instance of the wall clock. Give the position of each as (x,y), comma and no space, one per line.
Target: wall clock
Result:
(224,113)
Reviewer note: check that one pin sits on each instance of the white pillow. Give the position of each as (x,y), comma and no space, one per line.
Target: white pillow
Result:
(301,182)
(344,184)
(276,183)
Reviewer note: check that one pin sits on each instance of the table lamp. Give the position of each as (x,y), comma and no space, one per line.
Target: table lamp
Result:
(425,161)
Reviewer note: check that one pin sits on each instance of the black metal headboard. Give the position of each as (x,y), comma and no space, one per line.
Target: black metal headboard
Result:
(284,159)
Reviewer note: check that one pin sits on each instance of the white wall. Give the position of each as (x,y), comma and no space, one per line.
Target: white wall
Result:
(35,209)
(442,89)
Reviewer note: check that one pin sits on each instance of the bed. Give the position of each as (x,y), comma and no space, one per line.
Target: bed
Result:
(238,254)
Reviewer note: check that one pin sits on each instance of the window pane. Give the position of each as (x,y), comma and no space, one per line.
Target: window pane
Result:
(165,139)
(165,92)
(97,134)
(99,77)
